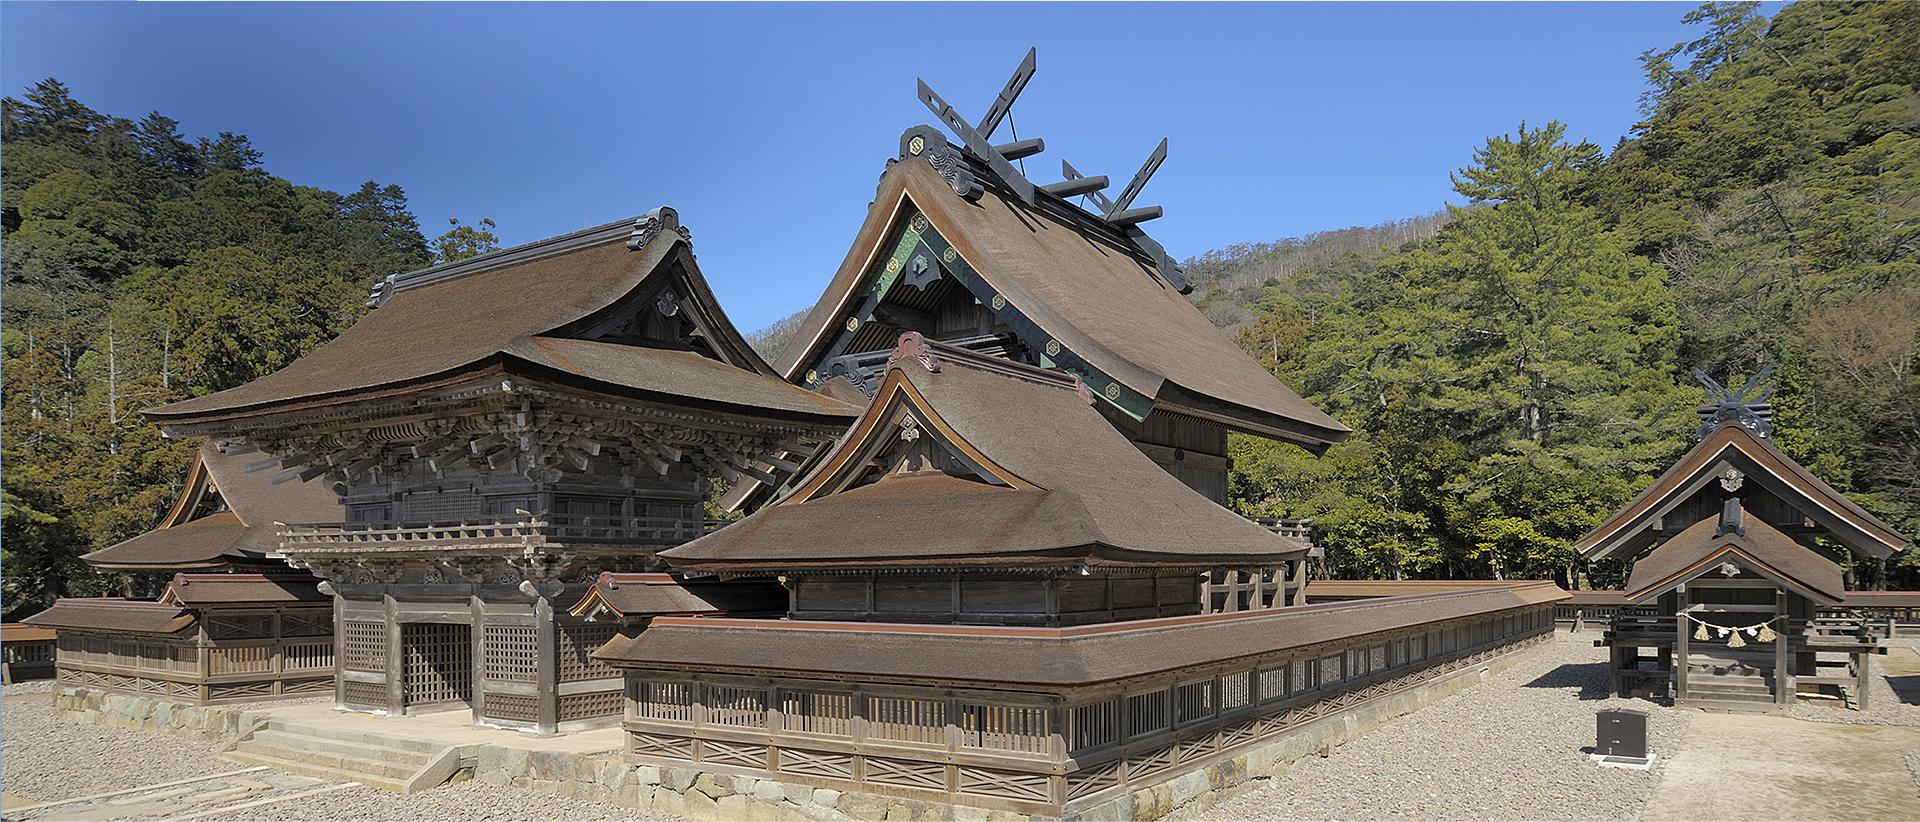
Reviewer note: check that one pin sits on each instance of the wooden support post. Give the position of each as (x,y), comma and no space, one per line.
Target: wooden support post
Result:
(477,655)
(1783,685)
(1680,623)
(548,666)
(1863,672)
(396,660)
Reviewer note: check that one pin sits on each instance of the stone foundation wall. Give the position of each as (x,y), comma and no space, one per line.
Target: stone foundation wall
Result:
(145,713)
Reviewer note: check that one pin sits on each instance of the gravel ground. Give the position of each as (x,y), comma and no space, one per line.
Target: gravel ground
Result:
(460,802)
(46,759)
(1514,748)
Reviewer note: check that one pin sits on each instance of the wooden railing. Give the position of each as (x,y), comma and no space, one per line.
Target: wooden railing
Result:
(194,670)
(535,531)
(1046,750)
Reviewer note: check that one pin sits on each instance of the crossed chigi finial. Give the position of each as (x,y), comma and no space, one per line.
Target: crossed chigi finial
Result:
(1117,212)
(1747,406)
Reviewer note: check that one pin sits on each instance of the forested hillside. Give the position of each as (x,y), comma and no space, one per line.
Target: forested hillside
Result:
(141,267)
(1520,373)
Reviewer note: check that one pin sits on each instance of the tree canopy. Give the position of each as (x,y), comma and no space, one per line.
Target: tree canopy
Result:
(139,267)
(1519,373)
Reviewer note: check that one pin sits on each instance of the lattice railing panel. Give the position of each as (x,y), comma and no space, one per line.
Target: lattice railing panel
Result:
(319,624)
(240,626)
(438,663)
(1005,784)
(577,644)
(512,707)
(365,646)
(240,689)
(252,660)
(667,701)
(739,707)
(306,656)
(307,686)
(364,694)
(513,653)
(817,713)
(906,773)
(1095,725)
(744,754)
(590,706)
(673,747)
(816,763)
(1004,728)
(907,720)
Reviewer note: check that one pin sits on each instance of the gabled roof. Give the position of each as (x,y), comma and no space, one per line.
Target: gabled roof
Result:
(1751,545)
(223,516)
(1048,657)
(1062,280)
(575,309)
(638,596)
(196,590)
(1758,461)
(116,616)
(983,462)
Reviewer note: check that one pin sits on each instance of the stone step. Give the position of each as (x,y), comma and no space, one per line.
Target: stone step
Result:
(331,761)
(1727,684)
(340,747)
(1744,706)
(319,731)
(397,785)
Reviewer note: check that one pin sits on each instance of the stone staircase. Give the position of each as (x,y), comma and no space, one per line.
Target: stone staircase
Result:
(387,762)
(1727,679)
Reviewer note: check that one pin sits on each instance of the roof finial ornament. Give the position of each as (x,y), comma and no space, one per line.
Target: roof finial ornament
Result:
(997,157)
(1747,407)
(655,223)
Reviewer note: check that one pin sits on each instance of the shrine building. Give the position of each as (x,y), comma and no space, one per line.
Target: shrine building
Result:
(1742,593)
(498,432)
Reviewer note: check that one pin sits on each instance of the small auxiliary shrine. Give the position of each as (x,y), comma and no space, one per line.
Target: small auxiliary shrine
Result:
(232,623)
(498,432)
(1745,582)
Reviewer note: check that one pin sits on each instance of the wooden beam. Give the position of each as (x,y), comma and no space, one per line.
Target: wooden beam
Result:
(900,316)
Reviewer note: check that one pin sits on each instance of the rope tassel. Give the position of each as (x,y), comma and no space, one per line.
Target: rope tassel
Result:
(1760,631)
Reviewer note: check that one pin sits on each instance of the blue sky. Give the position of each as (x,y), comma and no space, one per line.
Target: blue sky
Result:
(767,125)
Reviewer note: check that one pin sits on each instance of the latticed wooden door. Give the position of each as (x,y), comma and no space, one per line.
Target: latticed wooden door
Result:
(439,663)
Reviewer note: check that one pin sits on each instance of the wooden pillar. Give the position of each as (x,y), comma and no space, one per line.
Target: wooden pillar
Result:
(547,676)
(1681,625)
(477,654)
(1783,686)
(339,652)
(396,659)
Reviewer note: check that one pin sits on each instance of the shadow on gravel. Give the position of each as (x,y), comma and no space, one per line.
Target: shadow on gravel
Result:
(1589,677)
(1906,687)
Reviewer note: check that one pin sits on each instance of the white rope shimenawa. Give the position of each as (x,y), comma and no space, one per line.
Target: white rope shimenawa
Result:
(1762,631)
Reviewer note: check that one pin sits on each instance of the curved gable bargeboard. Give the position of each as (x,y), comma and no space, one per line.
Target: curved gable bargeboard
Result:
(1094,303)
(1631,528)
